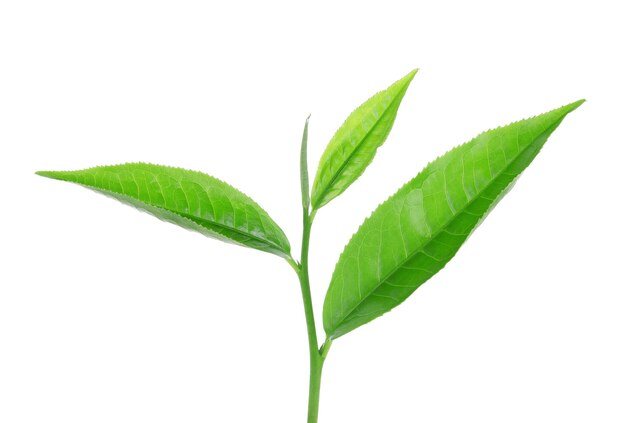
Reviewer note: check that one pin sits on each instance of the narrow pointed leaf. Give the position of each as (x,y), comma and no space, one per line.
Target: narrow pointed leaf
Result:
(354,145)
(413,234)
(192,200)
(304,167)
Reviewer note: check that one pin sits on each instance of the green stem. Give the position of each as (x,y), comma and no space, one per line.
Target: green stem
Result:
(316,355)
(316,361)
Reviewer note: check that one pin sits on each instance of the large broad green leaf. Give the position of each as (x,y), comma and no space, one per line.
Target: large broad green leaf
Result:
(186,198)
(413,234)
(354,145)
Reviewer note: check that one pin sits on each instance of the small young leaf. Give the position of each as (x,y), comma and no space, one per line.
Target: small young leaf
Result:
(186,198)
(413,234)
(304,167)
(354,145)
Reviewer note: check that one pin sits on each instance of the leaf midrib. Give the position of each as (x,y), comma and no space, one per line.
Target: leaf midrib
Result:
(413,254)
(189,217)
(357,148)
(209,222)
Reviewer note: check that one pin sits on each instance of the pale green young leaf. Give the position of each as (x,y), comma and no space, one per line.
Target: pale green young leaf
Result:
(354,145)
(190,199)
(304,167)
(413,234)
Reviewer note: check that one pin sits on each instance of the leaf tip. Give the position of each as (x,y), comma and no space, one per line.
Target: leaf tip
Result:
(409,76)
(567,109)
(575,105)
(47,174)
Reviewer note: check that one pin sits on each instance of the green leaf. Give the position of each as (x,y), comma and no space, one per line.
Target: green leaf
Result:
(190,199)
(304,167)
(413,234)
(354,145)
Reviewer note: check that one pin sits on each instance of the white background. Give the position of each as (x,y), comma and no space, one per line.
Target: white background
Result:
(108,315)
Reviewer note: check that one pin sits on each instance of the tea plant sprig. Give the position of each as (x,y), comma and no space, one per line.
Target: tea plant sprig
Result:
(406,240)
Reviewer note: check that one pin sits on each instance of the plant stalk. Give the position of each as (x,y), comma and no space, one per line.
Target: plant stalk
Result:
(316,360)
(316,356)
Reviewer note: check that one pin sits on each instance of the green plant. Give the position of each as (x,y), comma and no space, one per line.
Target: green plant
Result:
(405,241)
